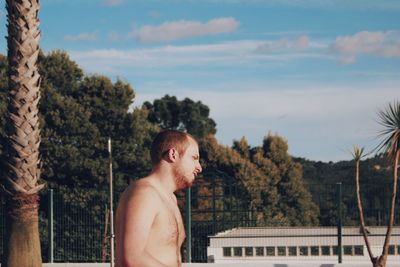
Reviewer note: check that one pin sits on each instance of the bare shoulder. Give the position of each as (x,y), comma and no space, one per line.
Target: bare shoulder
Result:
(140,191)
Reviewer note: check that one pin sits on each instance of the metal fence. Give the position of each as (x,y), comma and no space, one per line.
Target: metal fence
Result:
(75,230)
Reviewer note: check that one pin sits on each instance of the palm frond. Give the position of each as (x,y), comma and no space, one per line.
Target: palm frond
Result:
(358,153)
(389,118)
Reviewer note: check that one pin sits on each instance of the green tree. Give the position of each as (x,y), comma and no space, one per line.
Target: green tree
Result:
(293,204)
(271,179)
(60,72)
(223,164)
(70,146)
(77,117)
(186,115)
(321,179)
(80,113)
(22,167)
(242,147)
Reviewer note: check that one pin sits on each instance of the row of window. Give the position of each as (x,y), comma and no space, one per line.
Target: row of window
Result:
(357,250)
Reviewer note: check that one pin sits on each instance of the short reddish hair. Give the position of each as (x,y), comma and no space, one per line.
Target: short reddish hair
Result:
(166,140)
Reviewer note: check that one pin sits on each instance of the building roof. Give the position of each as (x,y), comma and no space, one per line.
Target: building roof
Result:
(242,232)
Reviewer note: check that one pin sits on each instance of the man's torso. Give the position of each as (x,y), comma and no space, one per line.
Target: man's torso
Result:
(167,231)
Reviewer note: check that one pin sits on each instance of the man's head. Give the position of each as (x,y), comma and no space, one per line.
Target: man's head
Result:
(182,151)
(166,140)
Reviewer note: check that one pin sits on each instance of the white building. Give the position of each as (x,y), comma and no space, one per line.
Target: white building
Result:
(258,244)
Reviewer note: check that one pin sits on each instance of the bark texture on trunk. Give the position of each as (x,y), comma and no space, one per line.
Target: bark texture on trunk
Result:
(23,130)
(22,151)
(379,261)
(22,234)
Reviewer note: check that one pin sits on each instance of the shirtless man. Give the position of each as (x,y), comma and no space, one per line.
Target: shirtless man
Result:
(149,228)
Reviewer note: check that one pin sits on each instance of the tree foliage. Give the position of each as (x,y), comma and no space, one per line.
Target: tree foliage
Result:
(270,177)
(321,179)
(186,115)
(78,114)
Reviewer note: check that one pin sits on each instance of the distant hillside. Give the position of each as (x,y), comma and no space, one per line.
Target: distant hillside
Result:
(373,170)
(376,188)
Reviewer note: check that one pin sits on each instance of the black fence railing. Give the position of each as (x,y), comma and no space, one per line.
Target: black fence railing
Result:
(80,224)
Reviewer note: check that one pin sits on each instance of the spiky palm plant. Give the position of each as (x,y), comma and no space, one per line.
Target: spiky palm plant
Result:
(389,118)
(390,121)
(22,247)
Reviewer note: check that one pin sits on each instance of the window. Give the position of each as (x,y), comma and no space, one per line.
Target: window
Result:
(398,250)
(314,251)
(292,251)
(348,250)
(303,251)
(335,250)
(248,251)
(237,251)
(227,251)
(259,251)
(391,250)
(359,250)
(271,251)
(281,251)
(325,250)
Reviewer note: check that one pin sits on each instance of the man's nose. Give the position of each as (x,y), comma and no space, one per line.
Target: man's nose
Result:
(199,168)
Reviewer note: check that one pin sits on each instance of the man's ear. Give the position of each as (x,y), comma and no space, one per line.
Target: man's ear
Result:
(172,154)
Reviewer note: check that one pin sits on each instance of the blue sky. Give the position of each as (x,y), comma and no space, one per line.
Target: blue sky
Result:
(313,71)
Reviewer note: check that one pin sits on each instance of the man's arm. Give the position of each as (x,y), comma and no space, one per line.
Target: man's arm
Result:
(134,221)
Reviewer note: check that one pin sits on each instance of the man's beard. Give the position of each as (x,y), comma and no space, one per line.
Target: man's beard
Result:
(182,181)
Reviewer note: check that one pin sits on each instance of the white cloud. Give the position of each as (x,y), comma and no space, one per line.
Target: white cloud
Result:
(222,54)
(85,36)
(302,42)
(383,44)
(284,45)
(113,2)
(183,29)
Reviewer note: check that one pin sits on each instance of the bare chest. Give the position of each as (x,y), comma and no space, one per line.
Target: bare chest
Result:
(168,225)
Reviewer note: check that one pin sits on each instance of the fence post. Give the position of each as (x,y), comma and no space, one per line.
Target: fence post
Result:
(231,205)
(112,237)
(237,206)
(51,226)
(188,220)
(214,207)
(339,221)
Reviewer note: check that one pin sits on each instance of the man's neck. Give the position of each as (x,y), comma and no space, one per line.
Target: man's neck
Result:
(165,179)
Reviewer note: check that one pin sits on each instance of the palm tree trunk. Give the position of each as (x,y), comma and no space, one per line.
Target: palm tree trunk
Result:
(379,262)
(361,211)
(22,151)
(386,244)
(22,239)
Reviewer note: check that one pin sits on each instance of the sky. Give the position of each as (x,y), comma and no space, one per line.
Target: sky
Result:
(315,72)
